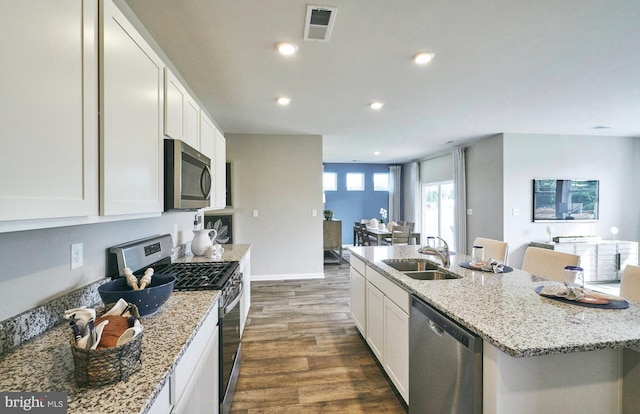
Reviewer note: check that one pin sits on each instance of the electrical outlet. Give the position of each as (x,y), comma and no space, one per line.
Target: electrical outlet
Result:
(76,255)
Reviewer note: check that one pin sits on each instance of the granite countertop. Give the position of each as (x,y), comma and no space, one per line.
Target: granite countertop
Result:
(36,356)
(505,310)
(45,363)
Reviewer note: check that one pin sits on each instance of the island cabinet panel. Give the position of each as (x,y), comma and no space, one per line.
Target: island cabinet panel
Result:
(375,320)
(49,122)
(131,95)
(380,309)
(358,301)
(396,346)
(578,382)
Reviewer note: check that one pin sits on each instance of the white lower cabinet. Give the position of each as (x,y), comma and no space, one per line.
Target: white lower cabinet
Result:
(245,303)
(375,320)
(380,309)
(162,404)
(396,346)
(358,301)
(193,387)
(195,381)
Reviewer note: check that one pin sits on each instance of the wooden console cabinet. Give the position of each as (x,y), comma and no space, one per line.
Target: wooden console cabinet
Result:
(332,237)
(602,261)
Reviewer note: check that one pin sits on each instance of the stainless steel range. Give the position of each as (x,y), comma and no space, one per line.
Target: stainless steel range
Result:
(156,252)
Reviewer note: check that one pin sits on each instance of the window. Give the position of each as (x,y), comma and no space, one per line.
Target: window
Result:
(355,182)
(380,181)
(438,203)
(329,181)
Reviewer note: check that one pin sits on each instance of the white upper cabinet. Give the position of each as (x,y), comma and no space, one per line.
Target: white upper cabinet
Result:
(131,90)
(213,145)
(207,136)
(181,112)
(219,168)
(191,122)
(49,109)
(173,106)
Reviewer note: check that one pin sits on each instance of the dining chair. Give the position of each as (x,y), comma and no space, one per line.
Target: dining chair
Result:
(363,237)
(548,263)
(493,249)
(400,235)
(630,283)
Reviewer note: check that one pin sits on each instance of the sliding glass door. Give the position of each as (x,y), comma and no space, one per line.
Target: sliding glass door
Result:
(438,201)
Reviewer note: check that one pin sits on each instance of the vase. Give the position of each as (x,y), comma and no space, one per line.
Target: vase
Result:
(382,226)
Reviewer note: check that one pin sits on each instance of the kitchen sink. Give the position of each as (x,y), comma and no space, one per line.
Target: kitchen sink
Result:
(411,265)
(431,275)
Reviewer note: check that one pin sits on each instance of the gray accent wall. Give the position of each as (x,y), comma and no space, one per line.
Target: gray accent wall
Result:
(280,176)
(485,189)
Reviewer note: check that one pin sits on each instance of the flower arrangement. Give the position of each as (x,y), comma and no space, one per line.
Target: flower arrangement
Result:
(383,215)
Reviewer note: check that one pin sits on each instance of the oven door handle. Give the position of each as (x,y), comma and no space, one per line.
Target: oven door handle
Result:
(229,307)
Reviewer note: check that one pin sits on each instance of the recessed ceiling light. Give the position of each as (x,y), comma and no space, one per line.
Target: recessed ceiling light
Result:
(422,58)
(376,153)
(601,127)
(287,48)
(375,105)
(284,100)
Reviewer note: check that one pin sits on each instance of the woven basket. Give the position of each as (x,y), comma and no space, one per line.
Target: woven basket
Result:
(96,367)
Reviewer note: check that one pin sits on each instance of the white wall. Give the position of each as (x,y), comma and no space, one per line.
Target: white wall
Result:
(280,176)
(612,160)
(35,265)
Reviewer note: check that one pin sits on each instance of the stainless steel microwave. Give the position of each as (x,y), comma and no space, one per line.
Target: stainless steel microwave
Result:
(187,177)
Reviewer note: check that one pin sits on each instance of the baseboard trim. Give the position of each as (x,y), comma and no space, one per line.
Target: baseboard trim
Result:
(294,276)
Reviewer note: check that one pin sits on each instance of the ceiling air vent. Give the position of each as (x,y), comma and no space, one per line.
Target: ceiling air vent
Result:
(319,23)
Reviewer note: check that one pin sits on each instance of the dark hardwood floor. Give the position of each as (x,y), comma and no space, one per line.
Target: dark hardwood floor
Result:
(303,354)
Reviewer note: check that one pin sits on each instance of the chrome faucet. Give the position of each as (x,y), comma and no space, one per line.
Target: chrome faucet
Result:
(442,253)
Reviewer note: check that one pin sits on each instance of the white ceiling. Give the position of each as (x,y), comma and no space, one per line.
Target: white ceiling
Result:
(518,66)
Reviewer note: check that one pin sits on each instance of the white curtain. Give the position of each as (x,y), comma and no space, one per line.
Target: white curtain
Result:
(412,207)
(395,172)
(460,188)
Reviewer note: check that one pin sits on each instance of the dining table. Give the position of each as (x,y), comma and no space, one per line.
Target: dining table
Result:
(384,234)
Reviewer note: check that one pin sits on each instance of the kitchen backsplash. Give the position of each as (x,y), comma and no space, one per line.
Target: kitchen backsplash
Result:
(22,327)
(31,323)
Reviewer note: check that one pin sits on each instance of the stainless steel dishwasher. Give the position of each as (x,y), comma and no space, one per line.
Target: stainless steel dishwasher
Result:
(445,364)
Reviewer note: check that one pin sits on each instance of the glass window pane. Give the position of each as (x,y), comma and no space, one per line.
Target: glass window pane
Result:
(330,181)
(355,182)
(381,182)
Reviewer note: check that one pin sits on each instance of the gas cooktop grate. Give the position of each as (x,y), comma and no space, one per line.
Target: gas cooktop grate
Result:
(200,276)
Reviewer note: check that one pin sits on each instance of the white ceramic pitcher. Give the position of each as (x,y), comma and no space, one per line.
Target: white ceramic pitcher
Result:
(202,242)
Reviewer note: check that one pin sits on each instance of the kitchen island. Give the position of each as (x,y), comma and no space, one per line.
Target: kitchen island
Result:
(539,355)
